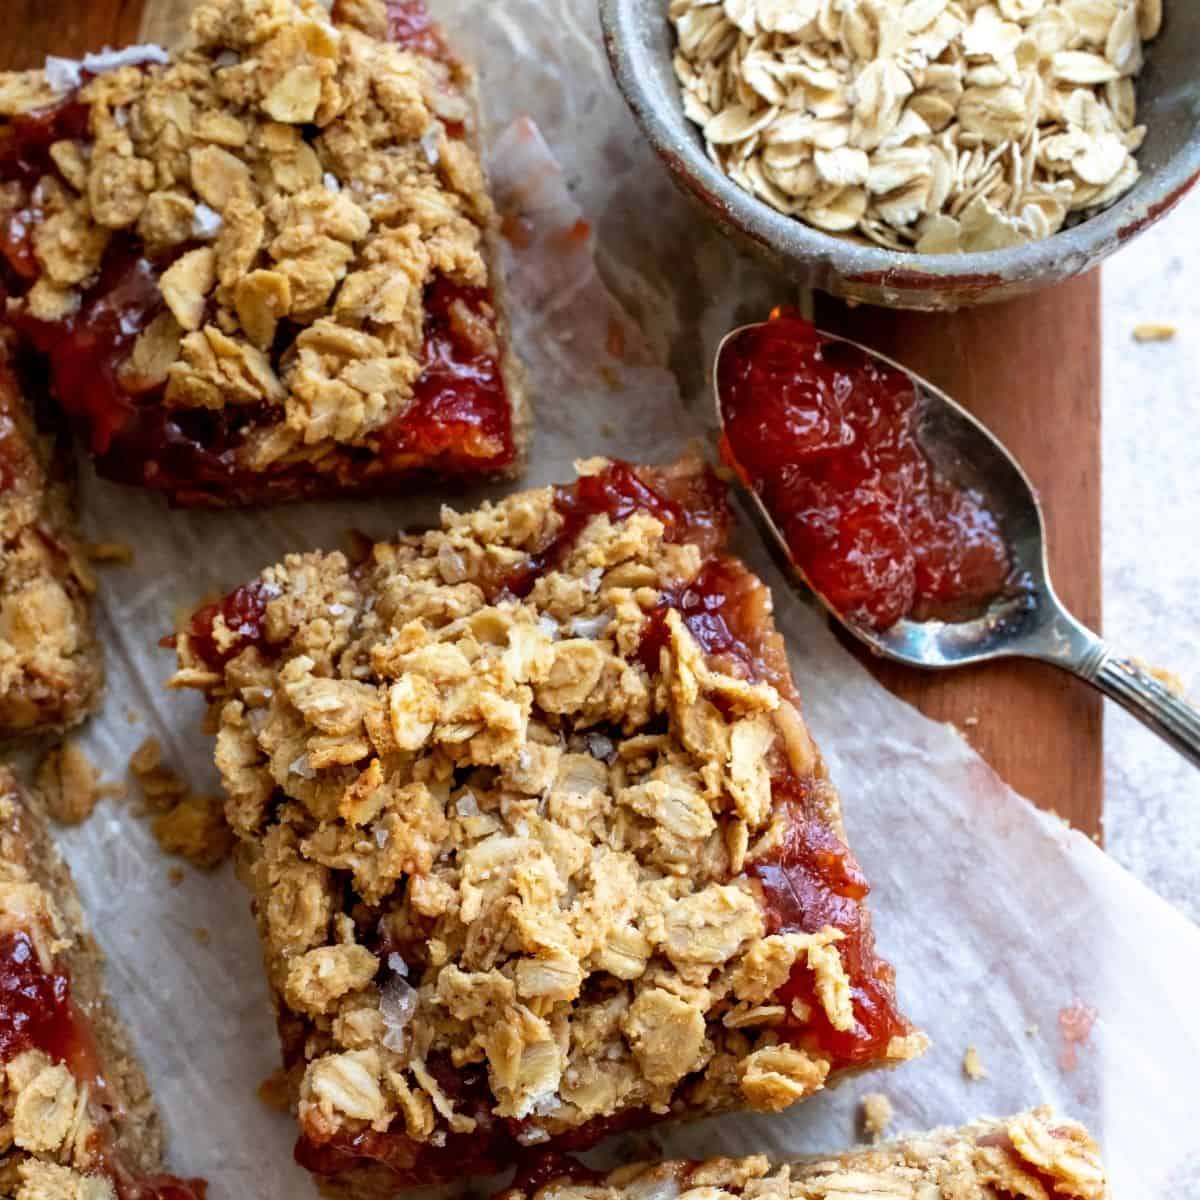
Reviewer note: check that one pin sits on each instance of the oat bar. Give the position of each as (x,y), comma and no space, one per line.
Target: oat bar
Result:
(78,1117)
(263,267)
(539,844)
(50,666)
(1035,1155)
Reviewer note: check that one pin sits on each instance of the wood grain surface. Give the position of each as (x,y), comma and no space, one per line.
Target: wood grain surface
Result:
(1030,369)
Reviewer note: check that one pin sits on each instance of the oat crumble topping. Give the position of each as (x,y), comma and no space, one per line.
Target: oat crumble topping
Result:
(502,825)
(274,206)
(1035,1156)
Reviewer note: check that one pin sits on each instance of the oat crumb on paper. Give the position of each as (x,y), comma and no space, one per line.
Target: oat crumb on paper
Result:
(877,1114)
(973,1067)
(1154,331)
(118,553)
(195,829)
(175,876)
(275,1092)
(189,825)
(159,785)
(203,934)
(68,783)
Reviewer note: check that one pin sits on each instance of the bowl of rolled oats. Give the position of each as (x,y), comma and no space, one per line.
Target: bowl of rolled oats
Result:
(919,153)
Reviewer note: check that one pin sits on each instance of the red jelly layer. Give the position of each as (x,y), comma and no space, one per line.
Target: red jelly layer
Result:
(827,437)
(244,611)
(411,26)
(459,417)
(691,507)
(810,882)
(37,1013)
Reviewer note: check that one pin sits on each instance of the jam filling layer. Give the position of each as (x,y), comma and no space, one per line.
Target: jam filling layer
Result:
(827,437)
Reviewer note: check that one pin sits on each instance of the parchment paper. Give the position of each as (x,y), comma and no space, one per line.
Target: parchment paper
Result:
(997,917)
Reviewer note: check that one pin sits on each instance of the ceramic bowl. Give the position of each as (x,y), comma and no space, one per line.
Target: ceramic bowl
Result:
(640,43)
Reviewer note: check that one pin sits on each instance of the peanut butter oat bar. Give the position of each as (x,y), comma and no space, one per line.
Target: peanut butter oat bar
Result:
(539,844)
(264,267)
(50,666)
(1036,1156)
(78,1118)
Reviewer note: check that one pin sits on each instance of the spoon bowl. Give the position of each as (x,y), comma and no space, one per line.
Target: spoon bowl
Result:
(1027,619)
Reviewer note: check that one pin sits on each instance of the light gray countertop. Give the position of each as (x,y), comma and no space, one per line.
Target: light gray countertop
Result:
(1151,417)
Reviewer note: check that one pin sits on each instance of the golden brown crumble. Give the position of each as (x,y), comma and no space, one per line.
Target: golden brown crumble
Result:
(68,783)
(877,1114)
(480,832)
(50,670)
(1035,1156)
(300,173)
(973,1067)
(185,823)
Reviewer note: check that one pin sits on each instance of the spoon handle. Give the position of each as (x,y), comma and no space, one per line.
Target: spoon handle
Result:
(1173,717)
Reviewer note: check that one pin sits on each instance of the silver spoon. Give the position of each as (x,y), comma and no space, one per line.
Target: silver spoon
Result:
(1031,624)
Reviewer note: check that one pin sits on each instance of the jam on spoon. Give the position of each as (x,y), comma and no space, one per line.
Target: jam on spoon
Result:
(827,436)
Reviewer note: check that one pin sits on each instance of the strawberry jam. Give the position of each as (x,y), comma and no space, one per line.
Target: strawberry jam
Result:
(243,611)
(459,417)
(812,880)
(827,437)
(35,1007)
(691,508)
(411,26)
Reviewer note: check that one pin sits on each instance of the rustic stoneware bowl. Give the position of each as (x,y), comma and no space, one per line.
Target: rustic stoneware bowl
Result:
(640,43)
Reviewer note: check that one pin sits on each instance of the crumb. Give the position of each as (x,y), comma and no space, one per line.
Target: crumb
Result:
(1170,680)
(877,1114)
(606,429)
(161,787)
(68,783)
(973,1067)
(1075,1023)
(175,876)
(202,935)
(274,1090)
(1153,331)
(186,824)
(1032,1030)
(132,717)
(120,553)
(359,546)
(195,829)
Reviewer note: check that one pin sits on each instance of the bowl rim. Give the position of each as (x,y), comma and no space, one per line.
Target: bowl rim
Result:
(1065,252)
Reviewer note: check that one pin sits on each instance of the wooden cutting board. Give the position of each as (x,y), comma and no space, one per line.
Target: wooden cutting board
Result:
(1029,369)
